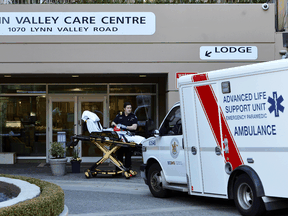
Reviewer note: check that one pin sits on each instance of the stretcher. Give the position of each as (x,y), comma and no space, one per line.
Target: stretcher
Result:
(108,141)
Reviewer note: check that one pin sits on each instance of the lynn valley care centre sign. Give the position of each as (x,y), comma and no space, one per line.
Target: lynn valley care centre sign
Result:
(77,23)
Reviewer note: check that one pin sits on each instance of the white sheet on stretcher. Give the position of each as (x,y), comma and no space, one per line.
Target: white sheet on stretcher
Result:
(93,125)
(92,121)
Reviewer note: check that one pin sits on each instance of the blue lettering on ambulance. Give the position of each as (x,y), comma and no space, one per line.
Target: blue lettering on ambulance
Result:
(255,130)
(238,108)
(237,98)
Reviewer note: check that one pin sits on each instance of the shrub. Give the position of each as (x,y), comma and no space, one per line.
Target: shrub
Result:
(49,202)
(57,150)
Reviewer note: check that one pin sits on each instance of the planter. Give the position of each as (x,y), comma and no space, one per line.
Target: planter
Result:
(75,166)
(58,166)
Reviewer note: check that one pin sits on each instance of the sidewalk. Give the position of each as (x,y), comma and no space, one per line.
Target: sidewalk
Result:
(82,193)
(43,170)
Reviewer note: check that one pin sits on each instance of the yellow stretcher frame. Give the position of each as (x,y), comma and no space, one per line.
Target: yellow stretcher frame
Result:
(109,145)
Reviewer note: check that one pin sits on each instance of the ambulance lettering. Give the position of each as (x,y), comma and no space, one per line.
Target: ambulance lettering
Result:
(253,111)
(244,103)
(255,130)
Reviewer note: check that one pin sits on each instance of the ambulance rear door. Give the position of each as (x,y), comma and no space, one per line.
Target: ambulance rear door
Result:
(210,139)
(190,136)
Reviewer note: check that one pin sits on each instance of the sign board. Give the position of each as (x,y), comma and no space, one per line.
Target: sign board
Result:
(77,23)
(179,74)
(228,52)
(61,138)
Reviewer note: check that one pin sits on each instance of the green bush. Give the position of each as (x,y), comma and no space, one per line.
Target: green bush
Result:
(57,150)
(49,202)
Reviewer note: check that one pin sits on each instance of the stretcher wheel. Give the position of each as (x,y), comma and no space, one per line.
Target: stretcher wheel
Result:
(88,174)
(127,175)
(133,173)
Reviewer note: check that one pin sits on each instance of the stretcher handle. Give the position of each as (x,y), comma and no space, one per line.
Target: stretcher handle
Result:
(75,139)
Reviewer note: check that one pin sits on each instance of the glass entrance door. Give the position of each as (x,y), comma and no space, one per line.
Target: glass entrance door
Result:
(65,117)
(62,119)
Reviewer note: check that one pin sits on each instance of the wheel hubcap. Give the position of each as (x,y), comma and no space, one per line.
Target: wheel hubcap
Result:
(245,196)
(156,181)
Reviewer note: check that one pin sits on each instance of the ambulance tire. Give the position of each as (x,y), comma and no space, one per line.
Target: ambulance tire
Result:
(246,201)
(155,186)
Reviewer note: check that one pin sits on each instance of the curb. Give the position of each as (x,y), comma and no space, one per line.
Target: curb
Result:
(65,211)
(27,191)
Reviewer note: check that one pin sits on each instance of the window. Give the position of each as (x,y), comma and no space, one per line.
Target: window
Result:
(139,89)
(22,89)
(172,124)
(23,125)
(143,106)
(226,87)
(77,89)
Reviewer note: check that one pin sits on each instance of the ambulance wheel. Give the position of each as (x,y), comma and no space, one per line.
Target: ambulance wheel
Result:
(155,182)
(245,197)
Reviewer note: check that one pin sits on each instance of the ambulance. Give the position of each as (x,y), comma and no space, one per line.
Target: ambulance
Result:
(226,138)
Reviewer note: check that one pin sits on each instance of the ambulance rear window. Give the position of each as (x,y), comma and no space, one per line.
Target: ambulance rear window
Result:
(226,87)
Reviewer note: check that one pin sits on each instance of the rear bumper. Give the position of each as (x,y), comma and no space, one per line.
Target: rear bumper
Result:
(143,172)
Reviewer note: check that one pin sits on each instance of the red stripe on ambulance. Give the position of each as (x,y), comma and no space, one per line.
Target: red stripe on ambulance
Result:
(209,104)
(199,77)
(233,156)
(210,109)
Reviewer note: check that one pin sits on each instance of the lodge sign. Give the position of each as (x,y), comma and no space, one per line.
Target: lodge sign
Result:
(228,52)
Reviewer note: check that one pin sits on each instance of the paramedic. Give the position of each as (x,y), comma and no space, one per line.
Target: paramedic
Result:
(127,121)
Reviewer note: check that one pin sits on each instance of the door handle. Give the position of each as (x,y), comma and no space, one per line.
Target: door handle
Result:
(194,150)
(217,150)
(226,145)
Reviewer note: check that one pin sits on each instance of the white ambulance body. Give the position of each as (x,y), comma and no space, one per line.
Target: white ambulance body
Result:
(230,140)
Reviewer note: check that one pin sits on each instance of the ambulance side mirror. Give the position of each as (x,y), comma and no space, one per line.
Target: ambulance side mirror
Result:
(156,133)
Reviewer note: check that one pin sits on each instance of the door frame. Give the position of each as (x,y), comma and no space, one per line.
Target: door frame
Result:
(77,99)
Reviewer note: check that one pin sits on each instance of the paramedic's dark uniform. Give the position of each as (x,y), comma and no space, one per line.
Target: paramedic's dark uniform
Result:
(127,121)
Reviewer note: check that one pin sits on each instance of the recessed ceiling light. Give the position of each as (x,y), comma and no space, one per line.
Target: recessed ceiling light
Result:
(7,75)
(142,75)
(75,76)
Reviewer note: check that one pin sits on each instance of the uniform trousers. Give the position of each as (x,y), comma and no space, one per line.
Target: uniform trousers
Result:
(128,153)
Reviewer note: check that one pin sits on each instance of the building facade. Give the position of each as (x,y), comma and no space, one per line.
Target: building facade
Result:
(59,60)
